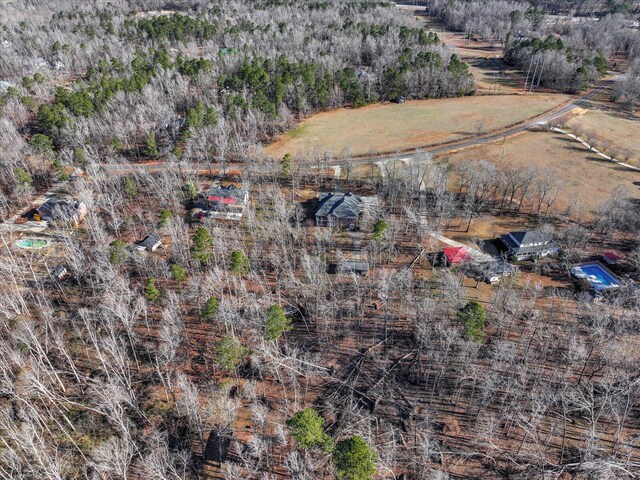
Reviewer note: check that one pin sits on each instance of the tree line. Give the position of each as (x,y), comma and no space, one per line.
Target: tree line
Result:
(107,80)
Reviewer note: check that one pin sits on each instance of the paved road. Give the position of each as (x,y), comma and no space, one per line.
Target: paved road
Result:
(482,140)
(435,150)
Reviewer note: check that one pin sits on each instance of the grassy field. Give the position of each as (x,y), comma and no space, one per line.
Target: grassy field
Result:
(617,130)
(391,127)
(587,179)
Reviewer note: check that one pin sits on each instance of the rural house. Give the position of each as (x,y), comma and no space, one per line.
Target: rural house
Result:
(58,210)
(231,197)
(150,243)
(338,209)
(226,202)
(528,244)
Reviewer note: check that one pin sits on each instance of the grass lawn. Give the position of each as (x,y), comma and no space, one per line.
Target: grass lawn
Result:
(619,129)
(384,128)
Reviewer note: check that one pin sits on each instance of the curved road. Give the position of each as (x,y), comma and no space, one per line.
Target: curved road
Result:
(434,150)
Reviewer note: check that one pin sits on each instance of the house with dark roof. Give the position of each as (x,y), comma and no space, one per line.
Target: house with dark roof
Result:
(222,202)
(229,197)
(150,243)
(63,211)
(528,244)
(338,209)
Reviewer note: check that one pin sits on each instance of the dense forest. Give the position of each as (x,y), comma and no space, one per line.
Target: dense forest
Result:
(555,52)
(104,81)
(244,348)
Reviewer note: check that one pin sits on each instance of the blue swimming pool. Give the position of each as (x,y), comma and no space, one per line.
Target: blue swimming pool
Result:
(598,276)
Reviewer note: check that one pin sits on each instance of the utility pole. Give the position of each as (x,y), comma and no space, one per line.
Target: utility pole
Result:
(527,78)
(533,79)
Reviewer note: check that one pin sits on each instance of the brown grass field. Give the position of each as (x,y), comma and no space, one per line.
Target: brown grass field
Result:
(587,179)
(620,130)
(391,127)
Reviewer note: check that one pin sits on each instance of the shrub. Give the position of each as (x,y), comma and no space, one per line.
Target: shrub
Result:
(473,317)
(379,229)
(354,459)
(178,273)
(118,252)
(165,215)
(307,429)
(42,144)
(230,353)
(277,323)
(151,291)
(130,187)
(239,263)
(23,177)
(210,308)
(150,146)
(286,164)
(202,243)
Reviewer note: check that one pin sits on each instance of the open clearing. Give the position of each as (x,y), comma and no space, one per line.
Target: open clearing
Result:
(387,128)
(493,76)
(618,130)
(587,179)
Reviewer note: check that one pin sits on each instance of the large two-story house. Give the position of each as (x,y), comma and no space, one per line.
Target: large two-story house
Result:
(338,209)
(529,244)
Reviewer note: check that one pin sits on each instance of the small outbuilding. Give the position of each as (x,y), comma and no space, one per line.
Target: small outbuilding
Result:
(493,272)
(611,257)
(456,255)
(150,243)
(353,266)
(59,273)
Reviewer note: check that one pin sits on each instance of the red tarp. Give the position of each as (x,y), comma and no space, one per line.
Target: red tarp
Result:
(227,200)
(456,254)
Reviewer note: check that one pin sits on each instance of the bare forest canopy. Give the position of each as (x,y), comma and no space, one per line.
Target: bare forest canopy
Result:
(562,52)
(140,339)
(108,77)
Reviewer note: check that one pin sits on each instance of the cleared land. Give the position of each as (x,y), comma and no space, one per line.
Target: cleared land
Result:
(385,128)
(618,131)
(493,76)
(587,179)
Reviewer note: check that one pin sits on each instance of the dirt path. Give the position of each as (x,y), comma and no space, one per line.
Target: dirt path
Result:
(595,150)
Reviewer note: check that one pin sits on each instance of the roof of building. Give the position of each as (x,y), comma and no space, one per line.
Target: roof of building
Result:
(496,268)
(611,256)
(229,195)
(59,209)
(347,266)
(150,240)
(456,254)
(340,205)
(527,237)
(525,242)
